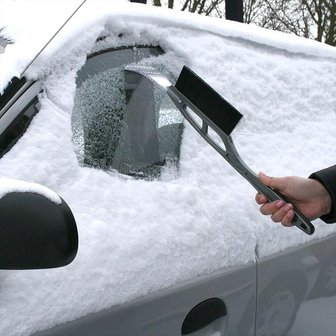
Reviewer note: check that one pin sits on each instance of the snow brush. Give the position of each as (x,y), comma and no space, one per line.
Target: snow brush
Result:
(214,119)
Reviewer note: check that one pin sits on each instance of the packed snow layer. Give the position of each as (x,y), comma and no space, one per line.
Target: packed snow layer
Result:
(141,236)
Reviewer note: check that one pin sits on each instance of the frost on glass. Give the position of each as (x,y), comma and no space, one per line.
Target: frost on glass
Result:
(98,113)
(124,124)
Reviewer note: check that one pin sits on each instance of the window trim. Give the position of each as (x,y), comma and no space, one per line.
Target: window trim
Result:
(17,104)
(12,93)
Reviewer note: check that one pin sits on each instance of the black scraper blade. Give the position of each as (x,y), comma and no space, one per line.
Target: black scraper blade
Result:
(206,99)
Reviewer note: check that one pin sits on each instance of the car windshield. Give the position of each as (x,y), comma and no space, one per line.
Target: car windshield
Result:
(122,122)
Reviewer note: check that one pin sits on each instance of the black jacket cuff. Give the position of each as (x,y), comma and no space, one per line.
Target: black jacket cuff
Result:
(327,177)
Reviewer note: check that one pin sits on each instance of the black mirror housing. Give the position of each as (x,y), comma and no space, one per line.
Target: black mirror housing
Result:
(36,232)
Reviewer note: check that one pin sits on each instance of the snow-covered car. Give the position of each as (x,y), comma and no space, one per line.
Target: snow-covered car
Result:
(170,239)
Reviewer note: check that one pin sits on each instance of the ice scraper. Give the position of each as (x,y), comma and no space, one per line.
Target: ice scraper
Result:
(214,119)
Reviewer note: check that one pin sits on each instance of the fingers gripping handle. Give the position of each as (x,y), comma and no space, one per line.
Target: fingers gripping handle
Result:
(232,156)
(299,220)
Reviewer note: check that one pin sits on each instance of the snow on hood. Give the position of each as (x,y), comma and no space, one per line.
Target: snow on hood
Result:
(140,236)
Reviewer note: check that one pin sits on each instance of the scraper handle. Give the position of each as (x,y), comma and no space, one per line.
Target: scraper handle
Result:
(193,93)
(233,157)
(299,220)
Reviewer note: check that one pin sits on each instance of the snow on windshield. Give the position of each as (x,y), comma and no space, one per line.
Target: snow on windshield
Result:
(141,236)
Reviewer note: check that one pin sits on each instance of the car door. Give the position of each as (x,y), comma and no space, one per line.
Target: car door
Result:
(221,304)
(297,292)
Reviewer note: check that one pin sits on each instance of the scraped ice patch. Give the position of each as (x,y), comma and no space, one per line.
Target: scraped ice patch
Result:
(8,186)
(153,74)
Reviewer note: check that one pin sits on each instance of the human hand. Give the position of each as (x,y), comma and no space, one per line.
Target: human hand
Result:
(309,196)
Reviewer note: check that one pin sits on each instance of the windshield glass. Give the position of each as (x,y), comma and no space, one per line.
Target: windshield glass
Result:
(124,124)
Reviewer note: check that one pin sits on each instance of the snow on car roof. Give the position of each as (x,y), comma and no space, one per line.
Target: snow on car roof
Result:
(141,236)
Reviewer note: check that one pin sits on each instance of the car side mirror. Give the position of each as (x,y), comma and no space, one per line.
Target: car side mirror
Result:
(37,228)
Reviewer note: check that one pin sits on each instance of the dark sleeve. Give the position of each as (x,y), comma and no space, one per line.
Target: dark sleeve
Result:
(327,177)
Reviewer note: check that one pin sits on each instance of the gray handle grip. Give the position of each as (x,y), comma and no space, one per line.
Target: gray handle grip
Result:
(299,220)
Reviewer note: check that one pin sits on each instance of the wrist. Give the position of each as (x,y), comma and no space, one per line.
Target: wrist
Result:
(325,203)
(326,206)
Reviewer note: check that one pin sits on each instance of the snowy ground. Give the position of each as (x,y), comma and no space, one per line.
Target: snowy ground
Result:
(139,236)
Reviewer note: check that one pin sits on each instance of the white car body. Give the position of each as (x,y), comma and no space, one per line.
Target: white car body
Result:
(141,238)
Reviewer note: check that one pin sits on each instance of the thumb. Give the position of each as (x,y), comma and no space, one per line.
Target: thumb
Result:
(273,182)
